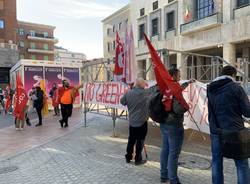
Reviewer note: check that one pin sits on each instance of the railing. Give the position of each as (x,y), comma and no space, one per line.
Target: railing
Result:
(198,24)
(39,35)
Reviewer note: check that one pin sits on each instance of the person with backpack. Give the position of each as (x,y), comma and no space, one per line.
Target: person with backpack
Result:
(227,104)
(172,131)
(136,100)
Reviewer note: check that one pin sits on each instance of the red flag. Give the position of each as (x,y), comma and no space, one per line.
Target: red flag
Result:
(165,80)
(21,99)
(119,59)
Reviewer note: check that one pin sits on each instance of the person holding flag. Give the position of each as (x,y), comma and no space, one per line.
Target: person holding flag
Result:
(172,128)
(20,104)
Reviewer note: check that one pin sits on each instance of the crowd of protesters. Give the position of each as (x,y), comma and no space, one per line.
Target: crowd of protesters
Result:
(228,104)
(62,97)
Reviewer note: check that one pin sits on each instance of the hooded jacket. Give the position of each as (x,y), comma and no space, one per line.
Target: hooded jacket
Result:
(227,102)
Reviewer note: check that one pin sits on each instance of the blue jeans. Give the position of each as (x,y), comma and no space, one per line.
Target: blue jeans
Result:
(242,166)
(171,148)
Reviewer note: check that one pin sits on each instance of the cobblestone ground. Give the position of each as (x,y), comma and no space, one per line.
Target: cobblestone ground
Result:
(91,156)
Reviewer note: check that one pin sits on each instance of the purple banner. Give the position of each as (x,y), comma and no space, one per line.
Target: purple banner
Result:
(73,76)
(52,75)
(32,77)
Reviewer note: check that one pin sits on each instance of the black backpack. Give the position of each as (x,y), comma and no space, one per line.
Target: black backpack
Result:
(156,108)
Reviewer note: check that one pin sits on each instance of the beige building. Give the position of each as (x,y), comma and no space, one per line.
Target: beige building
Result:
(117,22)
(211,27)
(63,55)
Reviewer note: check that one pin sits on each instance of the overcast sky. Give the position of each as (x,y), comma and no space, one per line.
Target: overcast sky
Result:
(78,22)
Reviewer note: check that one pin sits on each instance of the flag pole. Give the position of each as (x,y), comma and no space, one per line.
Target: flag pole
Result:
(196,124)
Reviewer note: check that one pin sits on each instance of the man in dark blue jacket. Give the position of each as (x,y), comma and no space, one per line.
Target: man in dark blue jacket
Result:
(228,102)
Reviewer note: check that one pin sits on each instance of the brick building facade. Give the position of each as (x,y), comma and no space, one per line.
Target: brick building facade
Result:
(36,41)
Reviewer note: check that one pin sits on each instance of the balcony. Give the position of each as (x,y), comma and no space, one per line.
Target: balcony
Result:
(242,11)
(41,51)
(201,24)
(41,37)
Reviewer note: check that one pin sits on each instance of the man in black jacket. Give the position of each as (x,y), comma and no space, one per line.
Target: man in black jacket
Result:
(38,104)
(227,103)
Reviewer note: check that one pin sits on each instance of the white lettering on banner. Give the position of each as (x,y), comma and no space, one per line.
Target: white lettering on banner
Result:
(110,93)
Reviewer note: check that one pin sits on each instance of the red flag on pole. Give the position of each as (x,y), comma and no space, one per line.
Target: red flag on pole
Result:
(21,99)
(165,81)
(119,59)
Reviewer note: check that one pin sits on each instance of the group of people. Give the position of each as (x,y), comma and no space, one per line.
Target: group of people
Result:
(225,95)
(62,97)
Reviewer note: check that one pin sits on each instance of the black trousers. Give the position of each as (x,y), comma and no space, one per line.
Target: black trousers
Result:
(56,110)
(66,111)
(39,113)
(136,136)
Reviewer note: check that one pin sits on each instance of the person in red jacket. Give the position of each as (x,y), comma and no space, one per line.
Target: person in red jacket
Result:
(66,97)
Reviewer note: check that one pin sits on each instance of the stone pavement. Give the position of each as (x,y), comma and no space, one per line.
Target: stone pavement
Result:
(91,156)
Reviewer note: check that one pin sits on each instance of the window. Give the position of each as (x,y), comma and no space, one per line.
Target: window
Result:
(21,31)
(33,57)
(113,28)
(169,1)
(109,47)
(46,34)
(242,2)
(113,45)
(155,27)
(141,31)
(46,58)
(32,33)
(204,8)
(32,45)
(1,24)
(108,31)
(21,44)
(46,46)
(170,21)
(1,4)
(155,5)
(120,25)
(142,11)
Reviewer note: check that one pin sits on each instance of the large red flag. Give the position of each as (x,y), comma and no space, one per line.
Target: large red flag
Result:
(21,99)
(119,59)
(165,81)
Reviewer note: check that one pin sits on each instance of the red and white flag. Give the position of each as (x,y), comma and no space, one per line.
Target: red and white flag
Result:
(165,81)
(130,66)
(20,100)
(119,59)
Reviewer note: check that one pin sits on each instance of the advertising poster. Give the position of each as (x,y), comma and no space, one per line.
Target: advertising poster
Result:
(33,75)
(52,75)
(73,76)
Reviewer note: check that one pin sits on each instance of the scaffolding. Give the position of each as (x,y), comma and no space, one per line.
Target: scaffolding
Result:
(201,67)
